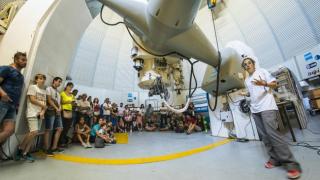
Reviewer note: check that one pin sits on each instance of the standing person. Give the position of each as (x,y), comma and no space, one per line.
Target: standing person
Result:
(36,107)
(85,109)
(96,108)
(11,83)
(149,112)
(190,110)
(139,118)
(120,111)
(107,107)
(89,99)
(264,110)
(142,112)
(67,99)
(114,117)
(53,119)
(75,108)
(163,116)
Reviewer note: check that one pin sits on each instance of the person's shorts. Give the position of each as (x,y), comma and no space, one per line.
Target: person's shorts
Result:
(114,121)
(84,136)
(53,122)
(34,124)
(7,112)
(107,117)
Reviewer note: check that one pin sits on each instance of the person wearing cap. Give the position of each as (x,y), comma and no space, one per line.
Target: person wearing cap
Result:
(264,110)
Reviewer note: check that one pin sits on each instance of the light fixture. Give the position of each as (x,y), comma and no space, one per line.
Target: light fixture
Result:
(134,51)
(138,64)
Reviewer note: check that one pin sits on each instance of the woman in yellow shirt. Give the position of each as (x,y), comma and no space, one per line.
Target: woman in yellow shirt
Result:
(67,99)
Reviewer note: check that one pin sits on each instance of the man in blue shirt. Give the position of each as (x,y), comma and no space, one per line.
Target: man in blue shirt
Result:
(11,83)
(96,128)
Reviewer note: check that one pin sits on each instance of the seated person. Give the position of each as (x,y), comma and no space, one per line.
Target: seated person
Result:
(172,122)
(94,120)
(150,124)
(110,131)
(139,121)
(179,127)
(191,124)
(96,128)
(128,121)
(103,133)
(83,133)
(114,113)
(167,125)
(121,126)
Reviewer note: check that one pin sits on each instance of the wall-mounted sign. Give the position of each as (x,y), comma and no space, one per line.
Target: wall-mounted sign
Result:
(309,63)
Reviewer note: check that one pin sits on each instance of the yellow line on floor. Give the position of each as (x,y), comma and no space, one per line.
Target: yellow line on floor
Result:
(142,160)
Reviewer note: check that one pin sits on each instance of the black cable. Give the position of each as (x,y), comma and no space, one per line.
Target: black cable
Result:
(192,74)
(190,79)
(122,22)
(171,53)
(240,139)
(232,101)
(313,132)
(154,54)
(110,24)
(195,80)
(254,133)
(219,65)
(220,124)
(307,145)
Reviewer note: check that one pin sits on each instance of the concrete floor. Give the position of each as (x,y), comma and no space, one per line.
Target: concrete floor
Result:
(231,161)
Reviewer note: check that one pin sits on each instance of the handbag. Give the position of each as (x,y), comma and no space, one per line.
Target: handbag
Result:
(67,114)
(99,142)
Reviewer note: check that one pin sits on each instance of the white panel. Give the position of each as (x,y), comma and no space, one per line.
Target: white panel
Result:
(107,60)
(103,57)
(87,53)
(312,7)
(42,36)
(256,31)
(289,25)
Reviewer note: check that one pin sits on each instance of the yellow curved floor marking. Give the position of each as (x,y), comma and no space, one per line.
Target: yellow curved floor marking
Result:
(142,160)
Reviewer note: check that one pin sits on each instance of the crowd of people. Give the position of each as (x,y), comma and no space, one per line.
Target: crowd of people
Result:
(73,117)
(96,122)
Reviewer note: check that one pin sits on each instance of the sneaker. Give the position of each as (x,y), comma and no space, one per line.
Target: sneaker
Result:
(63,145)
(84,145)
(89,145)
(49,153)
(269,165)
(293,174)
(18,154)
(69,141)
(29,158)
(57,150)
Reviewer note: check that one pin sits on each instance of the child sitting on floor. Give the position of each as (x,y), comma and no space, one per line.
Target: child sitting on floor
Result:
(83,133)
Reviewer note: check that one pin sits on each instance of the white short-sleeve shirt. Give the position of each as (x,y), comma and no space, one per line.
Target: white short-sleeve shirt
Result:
(108,107)
(261,97)
(40,95)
